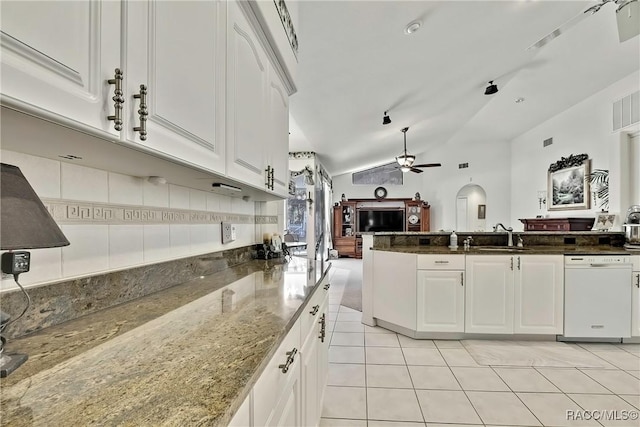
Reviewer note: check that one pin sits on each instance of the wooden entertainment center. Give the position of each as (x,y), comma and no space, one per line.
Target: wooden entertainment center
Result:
(399,214)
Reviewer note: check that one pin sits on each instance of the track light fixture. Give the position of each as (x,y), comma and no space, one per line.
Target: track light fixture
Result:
(491,89)
(386,120)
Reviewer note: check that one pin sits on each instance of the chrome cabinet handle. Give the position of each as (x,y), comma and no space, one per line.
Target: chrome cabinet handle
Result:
(327,286)
(638,280)
(461,278)
(117,99)
(271,178)
(323,324)
(290,358)
(268,177)
(511,263)
(441,262)
(315,310)
(142,112)
(518,263)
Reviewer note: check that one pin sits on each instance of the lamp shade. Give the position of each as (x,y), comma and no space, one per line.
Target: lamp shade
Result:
(25,222)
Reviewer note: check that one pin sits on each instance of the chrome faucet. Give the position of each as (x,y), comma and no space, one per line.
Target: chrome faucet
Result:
(508,230)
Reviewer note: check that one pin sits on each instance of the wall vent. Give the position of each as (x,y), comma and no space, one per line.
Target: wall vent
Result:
(463,165)
(626,111)
(547,142)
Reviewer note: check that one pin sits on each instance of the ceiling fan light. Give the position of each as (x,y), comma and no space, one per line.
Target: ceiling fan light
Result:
(406,160)
(386,120)
(491,89)
(405,168)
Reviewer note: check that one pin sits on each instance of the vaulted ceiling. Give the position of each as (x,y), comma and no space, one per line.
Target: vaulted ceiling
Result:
(356,61)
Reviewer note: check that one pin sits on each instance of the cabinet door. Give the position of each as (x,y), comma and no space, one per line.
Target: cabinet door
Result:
(440,297)
(489,294)
(288,411)
(635,305)
(247,89)
(394,288)
(539,294)
(310,378)
(57,57)
(242,417)
(278,151)
(176,49)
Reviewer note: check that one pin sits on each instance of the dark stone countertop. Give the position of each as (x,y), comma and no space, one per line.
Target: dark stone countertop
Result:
(187,355)
(496,250)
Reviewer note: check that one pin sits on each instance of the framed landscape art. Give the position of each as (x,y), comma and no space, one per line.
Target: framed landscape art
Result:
(568,183)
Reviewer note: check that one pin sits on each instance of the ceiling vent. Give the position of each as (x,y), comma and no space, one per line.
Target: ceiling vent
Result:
(547,142)
(626,111)
(463,165)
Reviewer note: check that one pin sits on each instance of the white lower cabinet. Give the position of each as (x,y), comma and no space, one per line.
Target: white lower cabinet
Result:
(394,288)
(509,294)
(294,397)
(242,418)
(635,301)
(440,294)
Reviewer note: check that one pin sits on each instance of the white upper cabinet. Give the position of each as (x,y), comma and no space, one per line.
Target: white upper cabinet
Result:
(635,294)
(278,155)
(177,51)
(57,57)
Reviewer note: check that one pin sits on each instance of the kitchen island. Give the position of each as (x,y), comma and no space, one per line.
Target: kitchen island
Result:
(188,355)
(416,285)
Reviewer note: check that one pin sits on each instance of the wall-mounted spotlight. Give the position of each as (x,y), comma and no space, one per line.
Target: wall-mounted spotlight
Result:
(491,89)
(386,120)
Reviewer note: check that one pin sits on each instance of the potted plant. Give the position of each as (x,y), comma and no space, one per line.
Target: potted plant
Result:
(599,181)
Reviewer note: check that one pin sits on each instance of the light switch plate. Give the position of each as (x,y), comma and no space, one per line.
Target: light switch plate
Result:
(228,232)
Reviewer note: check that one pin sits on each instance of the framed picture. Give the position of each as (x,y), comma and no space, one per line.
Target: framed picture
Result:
(568,183)
(604,221)
(482,211)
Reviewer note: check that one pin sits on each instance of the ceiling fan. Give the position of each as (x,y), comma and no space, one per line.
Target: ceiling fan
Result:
(626,15)
(405,161)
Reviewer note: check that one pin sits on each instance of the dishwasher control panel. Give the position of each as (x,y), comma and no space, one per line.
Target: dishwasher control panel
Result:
(596,259)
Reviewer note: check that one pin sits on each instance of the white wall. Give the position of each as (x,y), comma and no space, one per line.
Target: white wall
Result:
(343,184)
(583,128)
(97,248)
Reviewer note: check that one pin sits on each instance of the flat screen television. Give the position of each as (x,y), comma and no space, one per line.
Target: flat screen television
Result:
(380,220)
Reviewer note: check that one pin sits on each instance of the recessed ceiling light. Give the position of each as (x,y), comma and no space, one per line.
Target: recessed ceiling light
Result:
(412,27)
(519,100)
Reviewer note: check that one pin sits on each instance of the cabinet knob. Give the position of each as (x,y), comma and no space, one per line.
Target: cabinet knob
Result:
(315,310)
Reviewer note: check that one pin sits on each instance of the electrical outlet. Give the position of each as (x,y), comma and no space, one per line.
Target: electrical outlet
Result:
(16,262)
(228,232)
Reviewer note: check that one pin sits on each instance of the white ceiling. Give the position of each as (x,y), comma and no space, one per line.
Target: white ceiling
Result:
(355,62)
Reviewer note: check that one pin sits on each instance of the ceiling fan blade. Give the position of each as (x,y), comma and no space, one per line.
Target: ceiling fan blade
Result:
(416,170)
(428,165)
(563,28)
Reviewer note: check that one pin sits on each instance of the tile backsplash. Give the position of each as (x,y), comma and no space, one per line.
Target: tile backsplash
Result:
(189,225)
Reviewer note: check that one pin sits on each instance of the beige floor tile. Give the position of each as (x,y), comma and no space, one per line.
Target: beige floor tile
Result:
(355,339)
(433,378)
(339,354)
(634,373)
(479,379)
(334,308)
(606,402)
(381,340)
(621,359)
(346,374)
(501,408)
(384,356)
(457,357)
(439,406)
(551,409)
(338,422)
(397,424)
(345,402)
(330,326)
(630,348)
(376,330)
(619,382)
(413,343)
(388,404)
(348,327)
(345,309)
(388,376)
(598,347)
(453,425)
(572,380)
(448,344)
(634,400)
(525,379)
(423,356)
(349,317)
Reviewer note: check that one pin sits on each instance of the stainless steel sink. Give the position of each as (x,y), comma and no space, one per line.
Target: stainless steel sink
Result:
(499,249)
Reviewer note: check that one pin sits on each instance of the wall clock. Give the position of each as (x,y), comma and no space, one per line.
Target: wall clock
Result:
(380,193)
(413,219)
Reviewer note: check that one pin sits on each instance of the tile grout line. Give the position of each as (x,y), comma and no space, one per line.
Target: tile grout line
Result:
(516,395)
(415,392)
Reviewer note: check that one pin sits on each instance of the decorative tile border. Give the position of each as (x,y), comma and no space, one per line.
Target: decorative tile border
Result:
(81,212)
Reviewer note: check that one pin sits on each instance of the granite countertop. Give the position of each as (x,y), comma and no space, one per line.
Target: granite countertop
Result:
(527,250)
(187,355)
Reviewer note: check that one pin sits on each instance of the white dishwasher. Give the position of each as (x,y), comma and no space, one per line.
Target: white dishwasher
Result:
(597,296)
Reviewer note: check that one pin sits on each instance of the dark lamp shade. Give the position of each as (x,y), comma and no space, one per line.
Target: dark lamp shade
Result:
(25,222)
